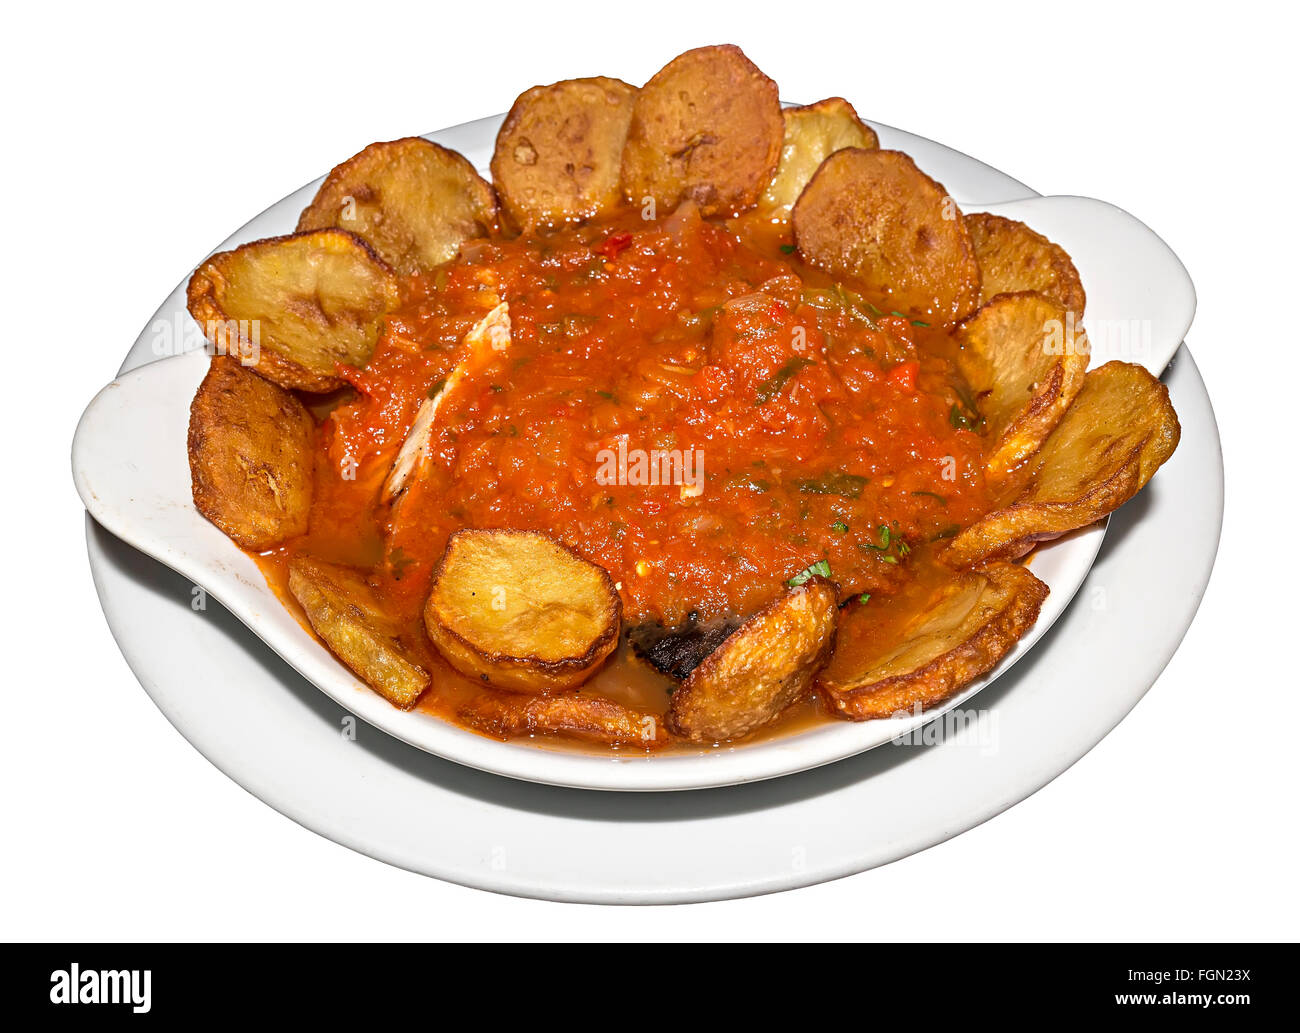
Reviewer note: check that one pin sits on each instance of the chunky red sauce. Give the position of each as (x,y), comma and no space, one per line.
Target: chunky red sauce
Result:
(795,422)
(823,428)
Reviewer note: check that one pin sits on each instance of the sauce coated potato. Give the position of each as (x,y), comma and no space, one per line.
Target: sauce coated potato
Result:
(874,217)
(919,648)
(520,611)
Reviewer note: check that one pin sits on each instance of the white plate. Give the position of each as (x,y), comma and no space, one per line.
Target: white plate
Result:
(130,468)
(276,735)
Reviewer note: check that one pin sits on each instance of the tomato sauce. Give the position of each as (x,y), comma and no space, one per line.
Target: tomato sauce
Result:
(682,401)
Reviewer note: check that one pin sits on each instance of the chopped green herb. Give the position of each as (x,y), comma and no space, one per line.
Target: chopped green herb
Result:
(864,597)
(885,537)
(497,387)
(607,395)
(771,387)
(960,420)
(932,495)
(845,485)
(787,249)
(888,539)
(840,526)
(819,569)
(919,322)
(437,388)
(947,532)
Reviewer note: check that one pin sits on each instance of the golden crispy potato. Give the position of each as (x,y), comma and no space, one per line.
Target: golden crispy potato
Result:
(296,305)
(812,133)
(586,718)
(1022,371)
(917,649)
(1012,257)
(1109,443)
(559,152)
(874,217)
(707,128)
(344,612)
(250,447)
(766,665)
(521,611)
(412,201)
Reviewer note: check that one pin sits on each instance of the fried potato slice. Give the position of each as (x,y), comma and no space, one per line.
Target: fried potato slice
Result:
(585,718)
(344,612)
(521,611)
(707,128)
(764,667)
(559,153)
(919,648)
(1112,439)
(250,448)
(812,134)
(412,201)
(295,306)
(1012,257)
(1023,372)
(874,217)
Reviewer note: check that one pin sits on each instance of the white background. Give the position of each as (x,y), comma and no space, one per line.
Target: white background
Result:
(138,138)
